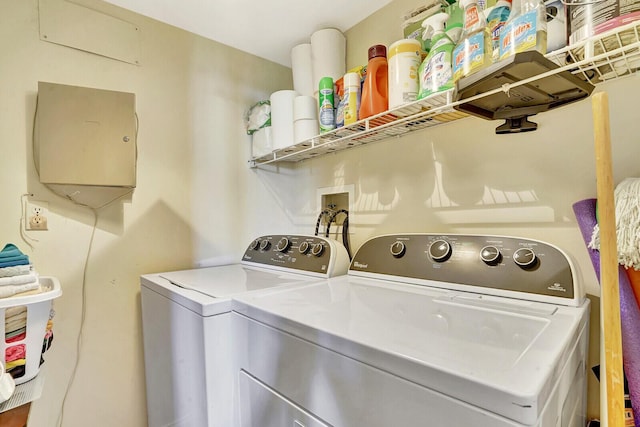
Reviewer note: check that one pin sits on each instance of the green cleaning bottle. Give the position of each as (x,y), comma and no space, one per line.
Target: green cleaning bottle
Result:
(473,52)
(436,73)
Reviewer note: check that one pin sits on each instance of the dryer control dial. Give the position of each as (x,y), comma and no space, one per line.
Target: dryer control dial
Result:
(255,245)
(525,258)
(303,248)
(283,245)
(317,249)
(440,250)
(398,249)
(490,255)
(264,245)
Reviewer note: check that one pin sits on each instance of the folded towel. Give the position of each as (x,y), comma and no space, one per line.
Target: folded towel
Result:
(14,325)
(11,256)
(13,311)
(15,352)
(12,290)
(19,337)
(19,280)
(14,363)
(38,290)
(11,334)
(16,270)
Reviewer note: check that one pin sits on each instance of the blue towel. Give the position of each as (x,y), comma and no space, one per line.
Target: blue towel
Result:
(11,256)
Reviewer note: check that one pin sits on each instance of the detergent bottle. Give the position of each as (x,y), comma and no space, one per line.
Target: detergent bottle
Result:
(375,91)
(526,28)
(436,73)
(496,21)
(473,51)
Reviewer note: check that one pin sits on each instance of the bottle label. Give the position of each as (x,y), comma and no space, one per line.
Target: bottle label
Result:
(327,116)
(471,17)
(468,55)
(519,35)
(437,74)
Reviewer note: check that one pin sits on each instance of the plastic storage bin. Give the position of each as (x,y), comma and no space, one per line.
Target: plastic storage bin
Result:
(38,308)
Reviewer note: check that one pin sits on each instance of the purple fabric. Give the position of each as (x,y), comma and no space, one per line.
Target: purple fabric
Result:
(585,212)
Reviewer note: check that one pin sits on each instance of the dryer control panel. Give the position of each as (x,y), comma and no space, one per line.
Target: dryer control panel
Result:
(498,265)
(300,253)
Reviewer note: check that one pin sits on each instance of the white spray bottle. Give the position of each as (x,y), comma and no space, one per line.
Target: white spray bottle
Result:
(436,72)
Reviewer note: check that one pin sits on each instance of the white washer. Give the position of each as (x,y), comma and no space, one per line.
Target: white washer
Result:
(426,330)
(186,322)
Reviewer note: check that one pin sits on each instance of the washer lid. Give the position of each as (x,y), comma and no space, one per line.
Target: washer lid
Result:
(208,291)
(497,353)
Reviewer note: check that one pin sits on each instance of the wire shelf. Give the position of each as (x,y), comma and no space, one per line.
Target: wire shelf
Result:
(601,58)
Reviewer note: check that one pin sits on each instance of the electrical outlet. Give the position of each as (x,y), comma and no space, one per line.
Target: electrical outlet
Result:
(37,213)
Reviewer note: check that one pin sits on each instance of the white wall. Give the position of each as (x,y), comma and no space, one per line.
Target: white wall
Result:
(189,207)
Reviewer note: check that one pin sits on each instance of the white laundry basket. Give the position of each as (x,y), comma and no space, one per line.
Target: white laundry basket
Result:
(38,309)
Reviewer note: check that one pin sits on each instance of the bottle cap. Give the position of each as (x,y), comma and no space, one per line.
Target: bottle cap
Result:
(378,50)
(351,79)
(326,83)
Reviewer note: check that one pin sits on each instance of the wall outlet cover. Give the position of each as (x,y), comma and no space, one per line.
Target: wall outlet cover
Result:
(37,213)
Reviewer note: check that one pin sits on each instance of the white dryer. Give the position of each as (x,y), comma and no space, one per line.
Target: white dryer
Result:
(186,322)
(425,330)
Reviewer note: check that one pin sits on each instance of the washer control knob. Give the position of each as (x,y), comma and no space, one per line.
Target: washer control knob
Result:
(303,248)
(255,245)
(440,250)
(398,249)
(283,245)
(525,258)
(264,245)
(317,249)
(490,255)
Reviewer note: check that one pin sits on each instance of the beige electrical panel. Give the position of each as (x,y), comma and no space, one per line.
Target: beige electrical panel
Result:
(85,136)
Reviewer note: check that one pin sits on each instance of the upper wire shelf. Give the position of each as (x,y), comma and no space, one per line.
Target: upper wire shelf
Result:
(601,58)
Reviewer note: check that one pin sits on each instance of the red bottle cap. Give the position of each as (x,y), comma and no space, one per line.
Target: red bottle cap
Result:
(378,50)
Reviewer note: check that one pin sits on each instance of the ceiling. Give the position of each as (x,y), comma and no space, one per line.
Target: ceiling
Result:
(268,29)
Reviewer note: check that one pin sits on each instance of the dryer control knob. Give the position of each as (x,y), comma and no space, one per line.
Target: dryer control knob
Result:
(303,248)
(255,245)
(440,250)
(490,255)
(264,245)
(317,249)
(283,245)
(525,258)
(398,249)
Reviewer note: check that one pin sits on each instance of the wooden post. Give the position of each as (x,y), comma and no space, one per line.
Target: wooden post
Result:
(611,377)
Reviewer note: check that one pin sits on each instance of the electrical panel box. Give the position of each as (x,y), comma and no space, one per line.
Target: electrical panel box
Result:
(85,137)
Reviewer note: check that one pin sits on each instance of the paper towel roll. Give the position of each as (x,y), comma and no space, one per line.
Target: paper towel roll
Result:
(282,118)
(305,107)
(302,69)
(262,142)
(328,50)
(305,129)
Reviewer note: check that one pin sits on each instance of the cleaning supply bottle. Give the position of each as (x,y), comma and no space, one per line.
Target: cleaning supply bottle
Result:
(526,28)
(473,51)
(455,23)
(352,97)
(495,22)
(326,106)
(436,73)
(375,91)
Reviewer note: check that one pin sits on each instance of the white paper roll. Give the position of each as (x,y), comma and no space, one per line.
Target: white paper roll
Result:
(305,129)
(282,118)
(328,50)
(305,107)
(302,69)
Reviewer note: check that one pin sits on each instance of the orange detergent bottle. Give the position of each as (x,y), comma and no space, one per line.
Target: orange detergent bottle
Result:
(375,91)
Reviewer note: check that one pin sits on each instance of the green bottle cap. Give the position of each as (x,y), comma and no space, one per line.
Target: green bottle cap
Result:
(326,83)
